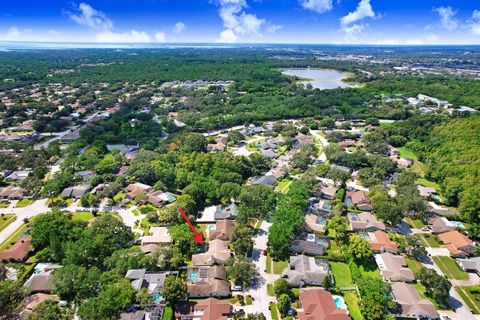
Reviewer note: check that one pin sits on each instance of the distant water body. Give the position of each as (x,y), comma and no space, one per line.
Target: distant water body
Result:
(319,78)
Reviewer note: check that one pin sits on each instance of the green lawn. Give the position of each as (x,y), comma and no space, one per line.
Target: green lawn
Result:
(270,290)
(342,275)
(370,269)
(450,268)
(258,224)
(470,296)
(427,183)
(274,311)
(284,185)
(414,265)
(4,204)
(428,240)
(353,302)
(415,223)
(248,300)
(23,203)
(13,238)
(407,153)
(6,220)
(83,216)
(279,266)
(269,264)
(168,313)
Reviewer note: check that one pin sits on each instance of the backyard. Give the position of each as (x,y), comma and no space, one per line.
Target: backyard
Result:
(82,216)
(342,275)
(352,301)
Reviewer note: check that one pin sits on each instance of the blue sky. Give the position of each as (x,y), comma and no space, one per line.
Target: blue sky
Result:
(260,21)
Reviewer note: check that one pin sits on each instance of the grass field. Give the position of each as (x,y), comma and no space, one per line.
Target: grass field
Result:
(269,264)
(6,220)
(248,300)
(469,295)
(342,275)
(284,185)
(407,153)
(450,268)
(428,240)
(415,223)
(414,265)
(274,311)
(4,204)
(352,301)
(13,238)
(279,266)
(23,203)
(83,216)
(270,290)
(427,183)
(370,269)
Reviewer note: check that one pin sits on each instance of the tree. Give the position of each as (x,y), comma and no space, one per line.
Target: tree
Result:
(235,137)
(284,304)
(339,225)
(174,289)
(437,286)
(49,310)
(359,248)
(256,202)
(107,165)
(241,271)
(281,287)
(11,295)
(242,241)
(183,240)
(143,296)
(194,142)
(74,283)
(376,299)
(412,246)
(110,302)
(168,258)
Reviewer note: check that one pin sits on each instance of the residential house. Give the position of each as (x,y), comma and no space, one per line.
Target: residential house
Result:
(426,192)
(329,192)
(322,207)
(307,271)
(41,280)
(318,304)
(380,242)
(18,175)
(410,304)
(156,236)
(222,230)
(341,168)
(217,253)
(123,148)
(215,213)
(441,225)
(32,301)
(309,244)
(160,198)
(75,192)
(364,221)
(302,140)
(393,268)
(86,175)
(457,243)
(137,188)
(207,309)
(266,180)
(402,162)
(204,282)
(358,199)
(12,193)
(219,145)
(152,281)
(470,265)
(136,315)
(315,223)
(18,252)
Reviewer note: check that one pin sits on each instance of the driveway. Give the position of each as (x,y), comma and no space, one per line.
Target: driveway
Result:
(438,251)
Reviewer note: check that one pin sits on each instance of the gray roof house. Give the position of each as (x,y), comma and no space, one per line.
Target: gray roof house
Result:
(266,180)
(410,304)
(226,212)
(470,265)
(393,268)
(75,192)
(307,271)
(309,244)
(152,281)
(440,225)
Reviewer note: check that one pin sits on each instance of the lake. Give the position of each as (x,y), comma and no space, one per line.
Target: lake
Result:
(319,78)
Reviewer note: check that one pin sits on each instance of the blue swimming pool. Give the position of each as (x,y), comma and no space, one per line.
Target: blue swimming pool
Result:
(212,228)
(339,302)
(193,276)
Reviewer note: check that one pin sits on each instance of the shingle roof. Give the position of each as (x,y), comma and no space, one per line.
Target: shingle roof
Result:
(410,303)
(393,268)
(318,304)
(305,270)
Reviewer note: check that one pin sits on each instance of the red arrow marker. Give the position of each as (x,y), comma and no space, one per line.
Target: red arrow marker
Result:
(198,237)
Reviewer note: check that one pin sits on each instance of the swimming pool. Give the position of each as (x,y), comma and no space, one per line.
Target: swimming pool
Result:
(193,276)
(212,228)
(339,302)
(321,221)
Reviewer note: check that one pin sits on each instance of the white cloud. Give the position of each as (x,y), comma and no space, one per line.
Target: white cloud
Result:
(236,21)
(364,10)
(12,34)
(91,18)
(319,6)
(474,23)
(179,27)
(131,36)
(447,17)
(160,37)
(272,28)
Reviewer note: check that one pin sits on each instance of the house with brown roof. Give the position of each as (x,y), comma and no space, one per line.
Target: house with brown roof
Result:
(410,304)
(315,223)
(204,282)
(18,252)
(393,268)
(329,192)
(440,225)
(457,243)
(358,199)
(380,242)
(41,280)
(12,193)
(318,304)
(136,189)
(217,253)
(157,235)
(364,221)
(207,309)
(426,192)
(223,230)
(31,302)
(307,271)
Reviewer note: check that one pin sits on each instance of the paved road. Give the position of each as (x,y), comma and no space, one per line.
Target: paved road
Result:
(261,299)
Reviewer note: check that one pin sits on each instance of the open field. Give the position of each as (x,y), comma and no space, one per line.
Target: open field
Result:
(450,268)
(342,275)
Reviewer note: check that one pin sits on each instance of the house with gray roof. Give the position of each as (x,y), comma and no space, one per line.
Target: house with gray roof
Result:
(393,268)
(307,271)
(152,281)
(410,304)
(470,265)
